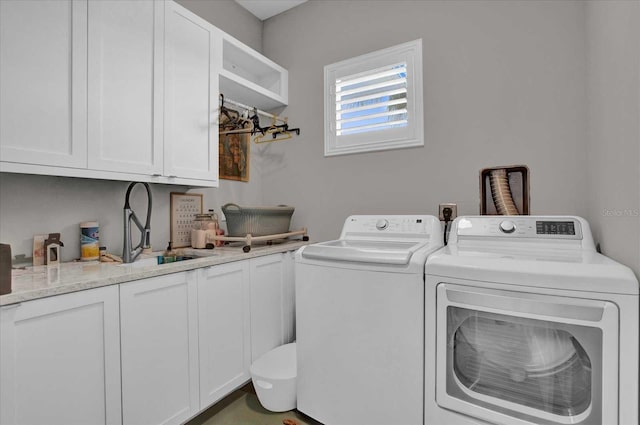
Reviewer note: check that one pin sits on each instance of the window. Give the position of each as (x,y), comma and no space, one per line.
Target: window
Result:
(374,102)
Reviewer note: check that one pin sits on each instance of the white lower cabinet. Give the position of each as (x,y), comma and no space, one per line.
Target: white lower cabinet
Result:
(159,349)
(224,330)
(60,360)
(151,351)
(289,296)
(245,309)
(271,303)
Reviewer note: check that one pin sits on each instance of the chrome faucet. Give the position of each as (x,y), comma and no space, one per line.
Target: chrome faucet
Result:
(130,254)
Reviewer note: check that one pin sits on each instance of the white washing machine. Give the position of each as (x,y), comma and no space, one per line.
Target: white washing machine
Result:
(360,321)
(527,324)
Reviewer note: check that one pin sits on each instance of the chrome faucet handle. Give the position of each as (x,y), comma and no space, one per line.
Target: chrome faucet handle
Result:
(146,239)
(130,254)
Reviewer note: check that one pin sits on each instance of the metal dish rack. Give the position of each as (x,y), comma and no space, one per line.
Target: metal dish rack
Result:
(248,239)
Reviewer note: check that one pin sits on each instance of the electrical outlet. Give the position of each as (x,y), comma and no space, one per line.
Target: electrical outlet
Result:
(454,211)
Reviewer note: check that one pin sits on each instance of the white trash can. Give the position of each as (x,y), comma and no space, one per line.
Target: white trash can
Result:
(274,378)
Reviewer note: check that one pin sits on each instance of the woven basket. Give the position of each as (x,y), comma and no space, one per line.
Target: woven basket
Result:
(257,221)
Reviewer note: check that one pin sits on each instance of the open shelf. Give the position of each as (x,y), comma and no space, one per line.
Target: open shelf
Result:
(249,77)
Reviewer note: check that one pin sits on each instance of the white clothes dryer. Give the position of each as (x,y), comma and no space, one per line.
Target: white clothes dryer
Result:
(527,324)
(360,321)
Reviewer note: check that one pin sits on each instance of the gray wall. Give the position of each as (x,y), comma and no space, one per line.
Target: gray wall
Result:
(31,204)
(41,204)
(230,17)
(504,84)
(613,34)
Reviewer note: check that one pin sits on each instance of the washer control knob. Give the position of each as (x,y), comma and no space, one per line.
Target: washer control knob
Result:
(508,226)
(382,224)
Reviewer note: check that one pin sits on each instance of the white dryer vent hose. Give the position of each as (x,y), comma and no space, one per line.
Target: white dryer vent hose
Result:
(501,193)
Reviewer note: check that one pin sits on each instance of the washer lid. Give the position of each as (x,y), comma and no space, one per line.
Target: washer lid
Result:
(363,251)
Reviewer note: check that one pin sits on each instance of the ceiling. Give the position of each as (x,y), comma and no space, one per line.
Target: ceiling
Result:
(264,9)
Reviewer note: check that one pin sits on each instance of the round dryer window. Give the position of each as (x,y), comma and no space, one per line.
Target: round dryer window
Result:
(525,361)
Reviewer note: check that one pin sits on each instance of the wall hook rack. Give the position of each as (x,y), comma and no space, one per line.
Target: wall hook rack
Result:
(248,122)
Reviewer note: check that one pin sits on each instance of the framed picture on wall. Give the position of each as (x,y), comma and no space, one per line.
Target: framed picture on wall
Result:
(184,207)
(234,150)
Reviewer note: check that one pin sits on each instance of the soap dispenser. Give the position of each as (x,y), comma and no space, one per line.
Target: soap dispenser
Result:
(169,254)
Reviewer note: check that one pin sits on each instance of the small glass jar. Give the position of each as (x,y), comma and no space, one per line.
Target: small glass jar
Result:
(202,221)
(203,230)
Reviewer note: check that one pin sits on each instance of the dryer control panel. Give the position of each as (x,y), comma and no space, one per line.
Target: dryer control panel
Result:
(555,227)
(542,227)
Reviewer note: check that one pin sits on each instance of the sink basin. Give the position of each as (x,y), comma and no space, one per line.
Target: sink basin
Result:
(153,260)
(174,259)
(142,262)
(199,253)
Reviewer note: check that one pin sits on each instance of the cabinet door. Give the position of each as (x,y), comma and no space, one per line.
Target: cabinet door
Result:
(158,321)
(60,360)
(43,78)
(268,329)
(191,96)
(289,300)
(224,330)
(125,86)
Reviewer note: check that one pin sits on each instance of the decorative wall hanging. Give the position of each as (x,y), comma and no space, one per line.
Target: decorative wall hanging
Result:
(234,150)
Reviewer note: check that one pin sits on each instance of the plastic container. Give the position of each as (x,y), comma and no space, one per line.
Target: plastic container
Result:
(89,241)
(257,221)
(274,378)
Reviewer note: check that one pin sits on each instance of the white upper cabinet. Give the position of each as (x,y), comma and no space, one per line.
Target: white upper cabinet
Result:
(121,89)
(125,86)
(43,82)
(191,96)
(249,77)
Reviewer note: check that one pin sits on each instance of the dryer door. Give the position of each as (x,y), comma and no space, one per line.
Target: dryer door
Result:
(512,357)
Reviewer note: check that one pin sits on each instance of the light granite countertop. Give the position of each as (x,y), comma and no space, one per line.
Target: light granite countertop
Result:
(42,281)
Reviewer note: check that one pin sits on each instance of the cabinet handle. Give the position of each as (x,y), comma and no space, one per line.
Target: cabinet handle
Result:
(172,177)
(156,174)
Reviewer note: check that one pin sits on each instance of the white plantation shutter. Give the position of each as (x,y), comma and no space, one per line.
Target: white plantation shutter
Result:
(374,102)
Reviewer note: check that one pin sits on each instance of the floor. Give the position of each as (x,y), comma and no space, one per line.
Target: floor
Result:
(243,407)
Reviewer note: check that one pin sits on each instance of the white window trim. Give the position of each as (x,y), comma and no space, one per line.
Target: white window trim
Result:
(395,138)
